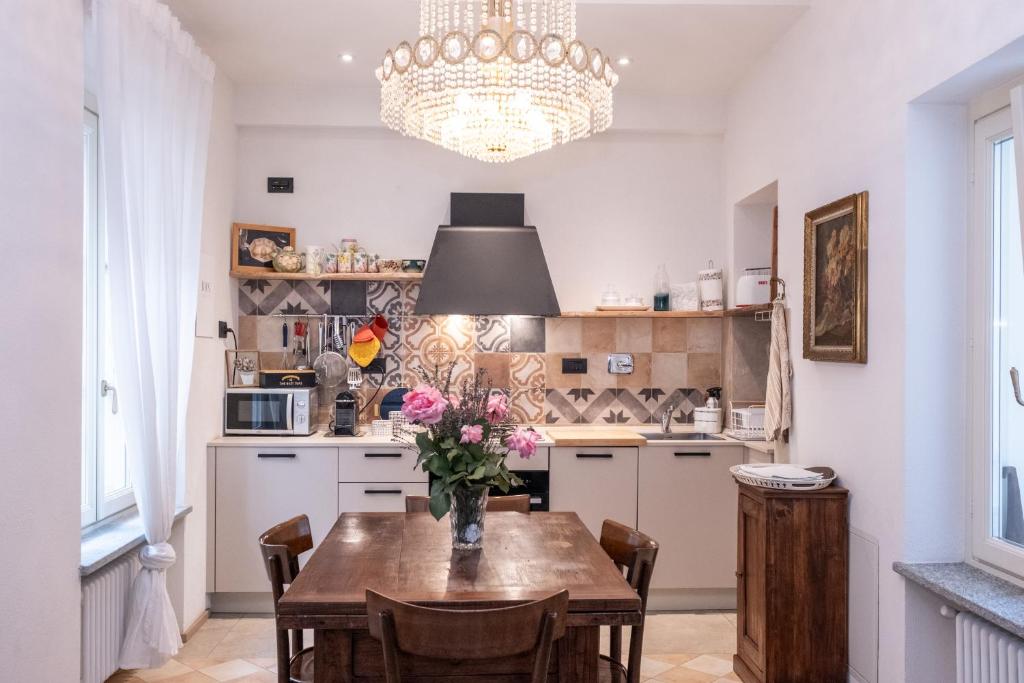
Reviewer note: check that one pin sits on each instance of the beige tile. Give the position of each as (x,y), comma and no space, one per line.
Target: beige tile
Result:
(641,377)
(704,335)
(231,670)
(731,678)
(192,677)
(598,335)
(681,674)
(554,378)
(563,335)
(710,664)
(597,376)
(248,331)
(669,371)
(671,660)
(668,335)
(688,633)
(168,670)
(261,676)
(263,626)
(497,366)
(264,662)
(633,335)
(650,667)
(704,370)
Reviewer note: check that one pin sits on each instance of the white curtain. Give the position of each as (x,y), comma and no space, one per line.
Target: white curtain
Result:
(1017,113)
(155,91)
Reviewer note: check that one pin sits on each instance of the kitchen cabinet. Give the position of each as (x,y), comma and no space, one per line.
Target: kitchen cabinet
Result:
(596,483)
(386,464)
(377,497)
(259,487)
(687,502)
(792,596)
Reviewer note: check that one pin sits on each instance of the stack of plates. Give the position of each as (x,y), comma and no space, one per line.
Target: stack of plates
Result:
(792,477)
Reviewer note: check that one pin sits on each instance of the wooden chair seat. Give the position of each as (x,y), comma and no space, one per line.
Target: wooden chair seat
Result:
(517,503)
(300,669)
(406,630)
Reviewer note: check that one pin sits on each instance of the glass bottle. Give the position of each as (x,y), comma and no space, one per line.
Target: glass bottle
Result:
(662,291)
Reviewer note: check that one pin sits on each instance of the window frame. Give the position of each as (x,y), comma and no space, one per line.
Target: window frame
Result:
(96,506)
(986,549)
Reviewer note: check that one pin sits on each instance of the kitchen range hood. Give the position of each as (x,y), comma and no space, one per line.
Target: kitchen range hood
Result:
(487,262)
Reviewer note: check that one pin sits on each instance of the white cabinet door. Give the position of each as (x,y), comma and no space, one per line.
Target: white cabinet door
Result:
(258,488)
(379,464)
(688,504)
(596,483)
(379,497)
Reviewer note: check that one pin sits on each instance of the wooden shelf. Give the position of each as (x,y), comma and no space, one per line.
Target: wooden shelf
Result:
(747,311)
(641,314)
(364,277)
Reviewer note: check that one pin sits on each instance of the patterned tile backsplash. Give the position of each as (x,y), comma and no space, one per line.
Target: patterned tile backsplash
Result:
(675,359)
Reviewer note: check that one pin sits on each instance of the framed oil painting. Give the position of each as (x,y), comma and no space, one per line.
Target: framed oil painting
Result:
(836,281)
(253,247)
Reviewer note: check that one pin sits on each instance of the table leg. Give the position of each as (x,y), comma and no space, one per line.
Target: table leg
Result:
(579,654)
(332,658)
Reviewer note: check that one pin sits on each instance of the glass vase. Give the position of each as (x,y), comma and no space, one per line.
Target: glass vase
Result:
(467,517)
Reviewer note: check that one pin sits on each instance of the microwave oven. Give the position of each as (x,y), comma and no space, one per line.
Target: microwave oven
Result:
(252,410)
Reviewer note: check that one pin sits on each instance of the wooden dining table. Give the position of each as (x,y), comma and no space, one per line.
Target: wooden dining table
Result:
(408,556)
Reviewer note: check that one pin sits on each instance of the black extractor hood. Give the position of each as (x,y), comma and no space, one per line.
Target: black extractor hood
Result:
(487,262)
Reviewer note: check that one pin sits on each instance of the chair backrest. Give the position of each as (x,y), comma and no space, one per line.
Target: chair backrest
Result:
(466,634)
(633,551)
(281,546)
(517,503)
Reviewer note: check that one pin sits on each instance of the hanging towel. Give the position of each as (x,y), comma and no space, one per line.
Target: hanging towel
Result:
(778,413)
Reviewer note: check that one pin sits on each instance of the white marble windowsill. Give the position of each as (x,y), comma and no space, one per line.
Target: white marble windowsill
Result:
(105,543)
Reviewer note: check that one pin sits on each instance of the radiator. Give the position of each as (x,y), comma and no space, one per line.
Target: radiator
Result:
(986,654)
(104,606)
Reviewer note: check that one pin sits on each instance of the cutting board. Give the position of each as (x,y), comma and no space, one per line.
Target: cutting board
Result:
(594,436)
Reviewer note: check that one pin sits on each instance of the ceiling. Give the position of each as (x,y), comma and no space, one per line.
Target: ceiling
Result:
(676,47)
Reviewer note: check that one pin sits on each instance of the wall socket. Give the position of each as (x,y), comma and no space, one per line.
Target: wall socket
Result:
(620,363)
(574,366)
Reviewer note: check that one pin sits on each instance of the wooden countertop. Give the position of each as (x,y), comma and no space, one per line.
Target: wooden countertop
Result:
(586,435)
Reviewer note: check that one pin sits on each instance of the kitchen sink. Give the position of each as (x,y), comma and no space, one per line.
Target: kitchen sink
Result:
(682,436)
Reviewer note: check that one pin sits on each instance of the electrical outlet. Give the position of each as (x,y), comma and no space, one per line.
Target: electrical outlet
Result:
(574,366)
(281,185)
(222,329)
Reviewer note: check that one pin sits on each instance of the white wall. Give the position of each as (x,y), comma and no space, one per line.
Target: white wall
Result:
(41,152)
(609,209)
(826,114)
(205,402)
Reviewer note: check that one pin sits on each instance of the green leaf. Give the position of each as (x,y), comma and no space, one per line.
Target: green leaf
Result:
(424,443)
(448,443)
(478,473)
(440,504)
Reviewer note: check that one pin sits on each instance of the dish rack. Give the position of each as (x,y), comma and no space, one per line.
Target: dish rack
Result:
(784,484)
(746,421)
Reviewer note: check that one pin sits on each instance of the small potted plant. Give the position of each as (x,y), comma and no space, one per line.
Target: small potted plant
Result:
(464,442)
(246,368)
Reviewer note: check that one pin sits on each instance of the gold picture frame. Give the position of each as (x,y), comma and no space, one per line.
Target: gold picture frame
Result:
(836,281)
(244,260)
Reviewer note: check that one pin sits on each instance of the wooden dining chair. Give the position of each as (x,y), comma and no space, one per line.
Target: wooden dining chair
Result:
(633,552)
(517,503)
(465,635)
(281,547)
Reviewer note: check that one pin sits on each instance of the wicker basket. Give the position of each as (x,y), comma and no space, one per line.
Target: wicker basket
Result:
(784,484)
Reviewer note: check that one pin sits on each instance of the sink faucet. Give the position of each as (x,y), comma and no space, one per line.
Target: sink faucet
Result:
(666,418)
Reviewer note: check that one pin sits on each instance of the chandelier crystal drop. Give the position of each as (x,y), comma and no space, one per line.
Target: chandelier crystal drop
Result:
(497,80)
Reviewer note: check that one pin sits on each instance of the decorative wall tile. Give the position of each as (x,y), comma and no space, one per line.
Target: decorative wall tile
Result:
(431,342)
(274,296)
(563,335)
(633,335)
(384,298)
(348,297)
(297,298)
(704,370)
(559,408)
(492,334)
(598,335)
(410,295)
(527,334)
(528,370)
(684,400)
(668,370)
(250,295)
(555,377)
(704,335)
(528,406)
(668,335)
(641,375)
(600,406)
(496,365)
(597,376)
(632,406)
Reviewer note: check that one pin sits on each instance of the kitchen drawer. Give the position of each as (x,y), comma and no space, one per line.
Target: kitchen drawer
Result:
(377,497)
(596,483)
(539,461)
(379,464)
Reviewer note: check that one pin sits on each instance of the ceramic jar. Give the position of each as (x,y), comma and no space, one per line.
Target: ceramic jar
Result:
(287,260)
(314,260)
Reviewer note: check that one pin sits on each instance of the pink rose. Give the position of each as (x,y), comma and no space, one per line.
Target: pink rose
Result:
(497,408)
(472,434)
(523,441)
(424,405)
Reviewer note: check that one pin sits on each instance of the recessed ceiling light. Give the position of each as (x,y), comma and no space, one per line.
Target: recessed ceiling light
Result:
(345,58)
(624,61)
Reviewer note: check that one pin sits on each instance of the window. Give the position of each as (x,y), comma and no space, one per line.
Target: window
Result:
(106,481)
(997,428)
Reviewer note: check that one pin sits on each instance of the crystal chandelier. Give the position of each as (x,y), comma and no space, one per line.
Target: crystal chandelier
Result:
(497,80)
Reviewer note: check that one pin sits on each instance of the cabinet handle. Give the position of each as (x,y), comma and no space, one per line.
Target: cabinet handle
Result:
(694,454)
(739,575)
(377,492)
(595,455)
(382,455)
(276,455)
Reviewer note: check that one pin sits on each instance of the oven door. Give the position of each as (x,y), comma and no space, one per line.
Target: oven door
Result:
(258,412)
(536,484)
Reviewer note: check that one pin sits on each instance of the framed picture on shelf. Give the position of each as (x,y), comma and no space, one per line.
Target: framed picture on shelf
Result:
(253,247)
(836,281)
(242,367)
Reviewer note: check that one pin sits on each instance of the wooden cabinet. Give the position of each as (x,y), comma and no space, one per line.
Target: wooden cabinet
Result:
(687,499)
(596,483)
(257,488)
(792,575)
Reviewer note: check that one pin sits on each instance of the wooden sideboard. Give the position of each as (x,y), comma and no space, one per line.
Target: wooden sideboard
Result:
(792,578)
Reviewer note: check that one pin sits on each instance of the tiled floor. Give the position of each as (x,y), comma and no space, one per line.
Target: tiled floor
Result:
(684,648)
